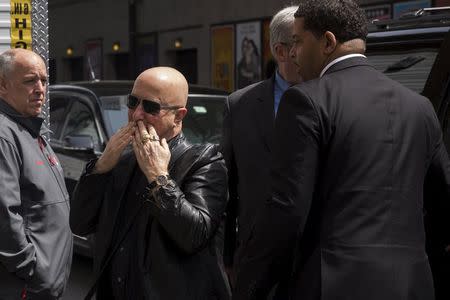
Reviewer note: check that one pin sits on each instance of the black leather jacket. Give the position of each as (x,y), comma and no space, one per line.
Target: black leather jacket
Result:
(183,258)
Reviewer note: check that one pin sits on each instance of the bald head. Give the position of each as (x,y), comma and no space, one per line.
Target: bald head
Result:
(168,87)
(10,58)
(166,84)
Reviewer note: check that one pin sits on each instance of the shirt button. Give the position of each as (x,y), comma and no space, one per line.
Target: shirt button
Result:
(119,279)
(137,193)
(121,249)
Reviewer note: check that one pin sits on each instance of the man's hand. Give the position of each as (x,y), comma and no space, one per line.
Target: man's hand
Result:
(152,154)
(114,149)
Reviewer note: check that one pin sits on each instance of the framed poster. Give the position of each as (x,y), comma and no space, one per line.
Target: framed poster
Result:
(146,52)
(404,7)
(222,57)
(94,59)
(378,12)
(248,53)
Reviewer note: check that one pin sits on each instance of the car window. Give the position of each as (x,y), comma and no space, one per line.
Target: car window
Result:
(58,106)
(410,68)
(81,122)
(115,112)
(203,122)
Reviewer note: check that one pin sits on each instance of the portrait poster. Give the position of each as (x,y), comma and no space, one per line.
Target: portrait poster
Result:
(222,57)
(248,53)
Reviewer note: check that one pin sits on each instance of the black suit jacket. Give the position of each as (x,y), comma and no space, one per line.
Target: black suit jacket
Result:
(351,153)
(246,143)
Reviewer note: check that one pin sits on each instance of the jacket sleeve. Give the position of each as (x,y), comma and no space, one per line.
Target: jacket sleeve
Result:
(282,220)
(87,199)
(231,211)
(192,213)
(17,253)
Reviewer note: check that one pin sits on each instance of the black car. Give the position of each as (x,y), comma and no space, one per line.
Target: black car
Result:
(84,115)
(415,51)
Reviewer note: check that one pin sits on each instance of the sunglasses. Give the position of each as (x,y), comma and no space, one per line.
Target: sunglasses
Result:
(150,106)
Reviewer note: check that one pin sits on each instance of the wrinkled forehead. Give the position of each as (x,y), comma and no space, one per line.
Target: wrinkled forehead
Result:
(147,90)
(29,63)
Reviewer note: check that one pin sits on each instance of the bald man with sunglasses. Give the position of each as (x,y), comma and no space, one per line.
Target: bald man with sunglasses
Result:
(154,201)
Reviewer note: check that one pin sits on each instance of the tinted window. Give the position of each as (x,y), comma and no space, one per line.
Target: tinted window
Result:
(58,107)
(203,122)
(410,68)
(81,122)
(115,112)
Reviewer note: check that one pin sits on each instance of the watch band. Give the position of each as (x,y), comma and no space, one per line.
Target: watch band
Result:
(161,180)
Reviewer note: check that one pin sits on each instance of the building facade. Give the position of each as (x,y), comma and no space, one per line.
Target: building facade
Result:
(213,42)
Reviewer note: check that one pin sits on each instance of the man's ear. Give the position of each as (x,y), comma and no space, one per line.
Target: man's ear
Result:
(280,54)
(329,42)
(180,114)
(3,86)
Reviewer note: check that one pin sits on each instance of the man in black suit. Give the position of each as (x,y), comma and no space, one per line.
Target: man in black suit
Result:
(247,138)
(351,152)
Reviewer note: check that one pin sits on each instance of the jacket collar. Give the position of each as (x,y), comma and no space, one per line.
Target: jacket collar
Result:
(266,116)
(175,141)
(32,124)
(348,63)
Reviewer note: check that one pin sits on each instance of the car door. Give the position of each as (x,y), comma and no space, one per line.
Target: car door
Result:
(77,136)
(437,204)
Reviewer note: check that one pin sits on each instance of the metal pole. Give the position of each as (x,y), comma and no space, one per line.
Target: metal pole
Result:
(39,19)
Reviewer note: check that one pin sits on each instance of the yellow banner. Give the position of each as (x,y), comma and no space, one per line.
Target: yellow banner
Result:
(222,57)
(21,24)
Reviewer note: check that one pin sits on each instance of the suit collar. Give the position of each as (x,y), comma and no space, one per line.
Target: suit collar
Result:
(265,117)
(348,63)
(266,90)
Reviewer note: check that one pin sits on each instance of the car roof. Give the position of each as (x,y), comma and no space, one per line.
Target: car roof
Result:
(113,87)
(424,27)
(427,20)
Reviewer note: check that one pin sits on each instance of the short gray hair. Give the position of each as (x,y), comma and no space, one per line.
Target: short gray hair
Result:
(6,63)
(281,27)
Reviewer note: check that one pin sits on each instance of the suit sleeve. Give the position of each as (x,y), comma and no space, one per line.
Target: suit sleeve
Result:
(231,212)
(17,253)
(282,221)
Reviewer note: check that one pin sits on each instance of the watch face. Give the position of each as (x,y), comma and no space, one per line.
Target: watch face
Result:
(162,180)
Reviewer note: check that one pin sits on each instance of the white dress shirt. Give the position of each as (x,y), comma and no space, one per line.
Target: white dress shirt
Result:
(338,60)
